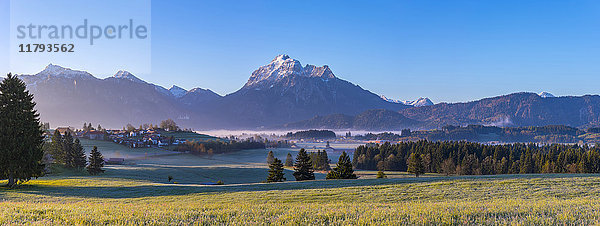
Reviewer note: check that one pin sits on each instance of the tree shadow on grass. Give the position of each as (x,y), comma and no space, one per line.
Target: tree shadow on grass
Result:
(185,189)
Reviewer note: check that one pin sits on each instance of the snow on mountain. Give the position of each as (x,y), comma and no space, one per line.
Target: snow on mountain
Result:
(177,91)
(126,75)
(202,91)
(417,103)
(420,102)
(283,66)
(546,95)
(58,71)
(391,100)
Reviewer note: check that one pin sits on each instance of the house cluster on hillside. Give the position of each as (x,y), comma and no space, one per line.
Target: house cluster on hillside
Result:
(142,138)
(132,138)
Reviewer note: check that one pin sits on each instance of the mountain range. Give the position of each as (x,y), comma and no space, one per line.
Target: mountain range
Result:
(284,94)
(423,101)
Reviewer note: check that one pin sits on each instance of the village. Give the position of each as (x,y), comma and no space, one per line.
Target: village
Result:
(132,138)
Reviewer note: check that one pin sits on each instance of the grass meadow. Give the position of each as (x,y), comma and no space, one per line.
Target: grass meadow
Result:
(530,199)
(139,193)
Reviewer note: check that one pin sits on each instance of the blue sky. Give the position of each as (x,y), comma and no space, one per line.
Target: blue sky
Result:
(449,51)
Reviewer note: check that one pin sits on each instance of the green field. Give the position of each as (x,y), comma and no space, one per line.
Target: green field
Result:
(138,193)
(533,200)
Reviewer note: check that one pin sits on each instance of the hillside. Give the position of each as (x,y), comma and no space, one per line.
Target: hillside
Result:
(518,109)
(513,110)
(375,120)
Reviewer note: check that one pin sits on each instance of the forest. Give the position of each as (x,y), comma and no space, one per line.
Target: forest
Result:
(218,147)
(481,133)
(311,134)
(469,158)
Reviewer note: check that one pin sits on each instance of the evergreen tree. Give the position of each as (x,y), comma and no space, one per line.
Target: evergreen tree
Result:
(303,167)
(320,160)
(67,149)
(21,137)
(343,169)
(96,162)
(415,164)
(324,159)
(78,155)
(276,171)
(56,148)
(527,164)
(289,161)
(270,158)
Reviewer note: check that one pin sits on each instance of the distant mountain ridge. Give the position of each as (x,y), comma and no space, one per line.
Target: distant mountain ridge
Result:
(284,94)
(374,120)
(279,92)
(513,110)
(517,109)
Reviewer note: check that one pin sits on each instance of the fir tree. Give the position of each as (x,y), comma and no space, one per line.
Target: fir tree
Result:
(78,155)
(303,167)
(343,169)
(324,161)
(415,164)
(276,171)
(289,161)
(56,148)
(96,162)
(20,133)
(320,160)
(67,150)
(270,158)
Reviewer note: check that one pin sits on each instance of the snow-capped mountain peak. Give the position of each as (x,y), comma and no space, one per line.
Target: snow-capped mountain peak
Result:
(390,100)
(177,91)
(419,102)
(58,71)
(283,66)
(546,95)
(423,101)
(281,58)
(54,69)
(126,75)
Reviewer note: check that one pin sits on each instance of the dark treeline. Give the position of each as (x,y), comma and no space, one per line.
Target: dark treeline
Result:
(480,133)
(468,158)
(312,134)
(217,147)
(277,144)
(378,136)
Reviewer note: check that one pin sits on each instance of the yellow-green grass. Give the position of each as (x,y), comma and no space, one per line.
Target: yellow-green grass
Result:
(529,200)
